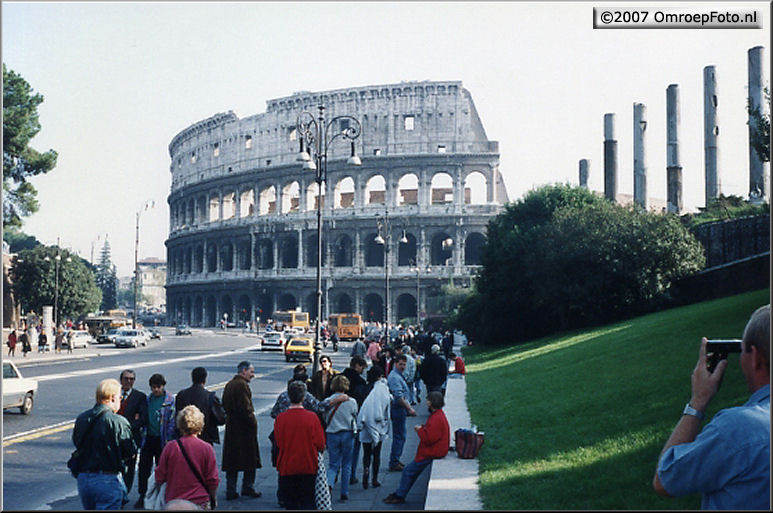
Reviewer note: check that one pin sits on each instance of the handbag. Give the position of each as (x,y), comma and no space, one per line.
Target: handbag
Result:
(156,497)
(212,500)
(74,462)
(322,499)
(468,443)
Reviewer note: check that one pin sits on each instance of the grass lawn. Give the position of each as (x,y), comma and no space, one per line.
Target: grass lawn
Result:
(578,420)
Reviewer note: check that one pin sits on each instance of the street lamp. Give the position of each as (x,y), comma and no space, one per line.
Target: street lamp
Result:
(415,267)
(315,137)
(57,259)
(148,204)
(384,237)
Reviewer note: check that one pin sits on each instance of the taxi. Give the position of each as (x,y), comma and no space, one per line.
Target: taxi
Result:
(299,346)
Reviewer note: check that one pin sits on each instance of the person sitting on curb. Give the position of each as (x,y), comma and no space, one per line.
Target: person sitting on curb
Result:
(459,367)
(434,440)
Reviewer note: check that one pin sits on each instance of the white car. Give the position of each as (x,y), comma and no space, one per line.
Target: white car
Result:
(273,340)
(18,391)
(78,338)
(130,338)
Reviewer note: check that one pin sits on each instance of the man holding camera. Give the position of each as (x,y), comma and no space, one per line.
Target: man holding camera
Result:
(729,460)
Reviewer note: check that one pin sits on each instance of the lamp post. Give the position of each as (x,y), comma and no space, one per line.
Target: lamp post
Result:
(57,259)
(145,206)
(315,136)
(384,237)
(415,267)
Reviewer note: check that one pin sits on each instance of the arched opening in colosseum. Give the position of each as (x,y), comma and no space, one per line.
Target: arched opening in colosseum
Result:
(211,312)
(312,197)
(288,251)
(475,188)
(374,252)
(442,189)
(311,305)
(245,255)
(374,308)
(188,311)
(191,212)
(375,190)
(198,311)
(441,249)
(406,253)
(263,308)
(211,258)
(472,248)
(343,193)
(188,260)
(291,197)
(226,307)
(406,309)
(202,209)
(344,304)
(247,203)
(199,259)
(214,208)
(267,201)
(244,308)
(264,251)
(310,251)
(286,302)
(408,190)
(227,257)
(229,205)
(342,252)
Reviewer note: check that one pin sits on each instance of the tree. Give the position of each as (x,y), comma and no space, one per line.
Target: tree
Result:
(35,284)
(20,125)
(18,240)
(564,257)
(107,280)
(761,141)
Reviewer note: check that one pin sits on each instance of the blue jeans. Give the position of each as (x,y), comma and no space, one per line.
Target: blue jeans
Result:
(101,491)
(398,434)
(411,398)
(339,446)
(410,474)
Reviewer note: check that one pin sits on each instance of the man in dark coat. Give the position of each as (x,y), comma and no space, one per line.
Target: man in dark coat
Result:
(240,445)
(204,400)
(134,406)
(358,388)
(434,370)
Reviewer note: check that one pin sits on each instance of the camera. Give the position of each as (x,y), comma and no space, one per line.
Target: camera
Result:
(717,350)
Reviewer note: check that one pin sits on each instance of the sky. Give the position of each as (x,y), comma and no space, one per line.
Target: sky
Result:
(121,79)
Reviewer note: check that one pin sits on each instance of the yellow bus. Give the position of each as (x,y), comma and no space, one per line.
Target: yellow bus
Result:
(346,326)
(291,319)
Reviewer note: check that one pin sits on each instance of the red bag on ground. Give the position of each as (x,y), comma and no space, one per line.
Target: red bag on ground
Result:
(468,443)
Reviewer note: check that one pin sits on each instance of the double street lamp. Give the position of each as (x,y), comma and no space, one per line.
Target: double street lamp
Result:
(57,259)
(148,204)
(315,136)
(384,237)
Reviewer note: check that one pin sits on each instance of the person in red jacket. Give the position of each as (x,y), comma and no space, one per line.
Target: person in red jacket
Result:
(459,367)
(434,439)
(299,437)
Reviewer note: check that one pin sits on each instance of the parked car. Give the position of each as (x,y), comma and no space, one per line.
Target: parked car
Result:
(300,346)
(18,391)
(77,338)
(108,337)
(155,333)
(130,338)
(182,329)
(273,340)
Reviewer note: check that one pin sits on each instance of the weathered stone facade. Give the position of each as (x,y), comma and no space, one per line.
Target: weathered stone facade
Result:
(242,236)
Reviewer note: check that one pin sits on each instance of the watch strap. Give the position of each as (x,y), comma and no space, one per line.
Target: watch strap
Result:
(689,410)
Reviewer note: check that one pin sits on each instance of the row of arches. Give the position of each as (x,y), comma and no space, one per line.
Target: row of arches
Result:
(299,196)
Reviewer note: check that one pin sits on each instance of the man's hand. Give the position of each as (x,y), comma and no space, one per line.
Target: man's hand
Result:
(417,428)
(705,384)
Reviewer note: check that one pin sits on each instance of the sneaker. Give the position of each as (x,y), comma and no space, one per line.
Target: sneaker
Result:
(397,467)
(393,499)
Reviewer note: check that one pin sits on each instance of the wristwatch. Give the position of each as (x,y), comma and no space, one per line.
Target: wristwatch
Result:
(689,410)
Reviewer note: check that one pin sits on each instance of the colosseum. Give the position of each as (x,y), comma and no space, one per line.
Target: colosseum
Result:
(243,224)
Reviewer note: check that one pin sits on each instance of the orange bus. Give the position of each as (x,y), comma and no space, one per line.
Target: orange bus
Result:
(346,326)
(291,319)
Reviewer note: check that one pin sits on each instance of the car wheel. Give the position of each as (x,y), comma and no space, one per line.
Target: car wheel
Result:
(26,405)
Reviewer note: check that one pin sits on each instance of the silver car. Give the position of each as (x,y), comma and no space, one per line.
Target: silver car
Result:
(18,391)
(130,338)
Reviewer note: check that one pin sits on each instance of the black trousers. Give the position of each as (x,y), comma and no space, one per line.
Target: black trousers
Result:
(150,452)
(297,491)
(368,450)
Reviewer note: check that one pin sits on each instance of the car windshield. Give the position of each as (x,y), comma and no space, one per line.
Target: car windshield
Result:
(297,342)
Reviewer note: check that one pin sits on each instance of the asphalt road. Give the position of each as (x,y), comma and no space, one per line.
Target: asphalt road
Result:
(36,447)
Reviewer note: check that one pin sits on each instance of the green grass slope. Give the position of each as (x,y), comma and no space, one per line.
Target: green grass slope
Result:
(577,421)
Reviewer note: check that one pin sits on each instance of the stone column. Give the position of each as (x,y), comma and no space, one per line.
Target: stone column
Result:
(275,250)
(710,133)
(299,231)
(584,163)
(279,198)
(673,164)
(759,171)
(220,205)
(253,252)
(639,165)
(610,158)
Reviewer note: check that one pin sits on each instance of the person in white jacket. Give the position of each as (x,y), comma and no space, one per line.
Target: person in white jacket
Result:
(373,423)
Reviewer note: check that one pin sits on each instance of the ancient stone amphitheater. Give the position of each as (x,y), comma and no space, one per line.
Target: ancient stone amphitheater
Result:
(243,225)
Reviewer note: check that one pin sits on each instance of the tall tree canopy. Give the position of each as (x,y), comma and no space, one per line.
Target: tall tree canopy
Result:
(20,125)
(107,280)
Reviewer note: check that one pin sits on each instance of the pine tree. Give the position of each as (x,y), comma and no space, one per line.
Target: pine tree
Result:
(107,279)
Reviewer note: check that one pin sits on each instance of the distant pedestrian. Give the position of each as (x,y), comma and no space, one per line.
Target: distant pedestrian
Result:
(11,343)
(448,344)
(358,389)
(240,446)
(26,347)
(372,352)
(42,342)
(320,380)
(434,439)
(459,367)
(399,412)
(410,373)
(341,421)
(69,341)
(434,370)
(134,407)
(206,401)
(184,458)
(358,348)
(106,444)
(373,424)
(58,340)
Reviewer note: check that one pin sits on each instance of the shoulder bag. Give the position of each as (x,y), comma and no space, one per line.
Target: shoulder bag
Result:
(73,463)
(156,497)
(212,500)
